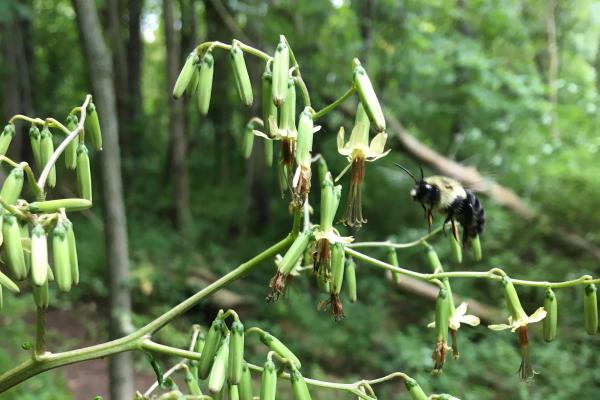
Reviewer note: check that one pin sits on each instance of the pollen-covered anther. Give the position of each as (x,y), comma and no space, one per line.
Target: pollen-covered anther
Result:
(353,214)
(337,308)
(439,356)
(277,286)
(301,186)
(322,257)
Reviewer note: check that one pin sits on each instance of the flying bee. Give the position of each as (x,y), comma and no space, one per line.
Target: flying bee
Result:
(448,196)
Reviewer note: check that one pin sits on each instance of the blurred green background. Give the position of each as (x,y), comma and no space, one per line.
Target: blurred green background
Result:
(510,88)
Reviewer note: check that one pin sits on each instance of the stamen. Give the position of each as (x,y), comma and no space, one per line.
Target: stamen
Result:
(353,214)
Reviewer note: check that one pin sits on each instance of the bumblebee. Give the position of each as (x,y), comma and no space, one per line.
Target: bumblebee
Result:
(448,196)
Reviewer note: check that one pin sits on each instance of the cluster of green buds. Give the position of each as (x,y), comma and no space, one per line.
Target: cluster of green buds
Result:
(223,371)
(30,228)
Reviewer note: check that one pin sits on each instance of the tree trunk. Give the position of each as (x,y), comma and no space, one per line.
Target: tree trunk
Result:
(177,145)
(99,69)
(134,75)
(551,46)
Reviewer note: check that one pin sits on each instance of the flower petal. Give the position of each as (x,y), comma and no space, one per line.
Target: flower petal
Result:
(537,316)
(461,310)
(359,138)
(431,324)
(378,143)
(261,134)
(340,142)
(373,157)
(470,320)
(499,327)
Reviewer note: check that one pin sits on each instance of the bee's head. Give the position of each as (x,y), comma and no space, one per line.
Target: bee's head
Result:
(422,192)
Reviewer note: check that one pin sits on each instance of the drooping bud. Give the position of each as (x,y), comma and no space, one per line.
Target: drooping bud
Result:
(84,176)
(13,185)
(50,206)
(8,283)
(73,260)
(234,392)
(216,380)
(41,295)
(211,344)
(413,388)
(248,140)
(71,150)
(512,300)
(367,96)
(456,249)
(13,248)
(278,347)
(442,319)
(240,74)
(287,118)
(268,152)
(433,259)
(6,137)
(236,353)
(91,126)
(305,138)
(476,248)
(299,386)
(62,260)
(269,110)
(35,140)
(192,383)
(337,278)
(551,320)
(205,71)
(39,255)
(286,264)
(281,66)
(46,150)
(351,279)
(590,309)
(185,75)
(268,383)
(327,201)
(245,386)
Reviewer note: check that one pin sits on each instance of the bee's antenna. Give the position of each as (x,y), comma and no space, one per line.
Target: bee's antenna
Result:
(408,172)
(421,169)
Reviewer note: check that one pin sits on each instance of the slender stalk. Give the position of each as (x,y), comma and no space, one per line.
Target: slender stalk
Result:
(333,105)
(40,332)
(172,351)
(248,49)
(397,245)
(37,121)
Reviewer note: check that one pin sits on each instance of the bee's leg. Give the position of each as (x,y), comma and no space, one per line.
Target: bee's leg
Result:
(449,218)
(455,230)
(429,219)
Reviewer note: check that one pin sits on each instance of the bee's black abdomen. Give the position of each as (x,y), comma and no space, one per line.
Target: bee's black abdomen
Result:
(470,214)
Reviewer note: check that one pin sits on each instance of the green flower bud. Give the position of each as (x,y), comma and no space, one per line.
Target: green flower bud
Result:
(268,152)
(281,66)
(216,380)
(327,201)
(351,279)
(193,84)
(71,150)
(245,386)
(287,119)
(8,283)
(456,249)
(6,137)
(50,206)
(512,300)
(248,140)
(62,260)
(192,383)
(433,259)
(550,322)
(13,247)
(413,388)
(268,383)
(91,126)
(323,284)
(393,260)
(35,140)
(269,110)
(185,75)
(323,170)
(442,320)
(240,74)
(84,176)
(476,248)
(41,295)
(305,138)
(236,353)
(590,309)
(213,340)
(13,185)
(206,70)
(73,260)
(367,96)
(337,267)
(278,347)
(39,255)
(299,386)
(234,392)
(46,150)
(294,253)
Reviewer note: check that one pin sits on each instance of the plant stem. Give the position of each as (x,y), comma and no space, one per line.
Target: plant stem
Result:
(396,245)
(37,121)
(248,49)
(333,105)
(172,351)
(135,340)
(40,332)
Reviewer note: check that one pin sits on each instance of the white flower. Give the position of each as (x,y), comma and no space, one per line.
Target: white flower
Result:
(332,235)
(459,317)
(358,146)
(524,320)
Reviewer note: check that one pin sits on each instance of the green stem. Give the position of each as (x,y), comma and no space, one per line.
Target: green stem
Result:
(333,105)
(248,49)
(37,121)
(172,351)
(303,89)
(135,340)
(397,245)
(40,333)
